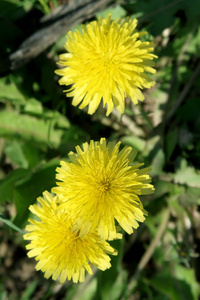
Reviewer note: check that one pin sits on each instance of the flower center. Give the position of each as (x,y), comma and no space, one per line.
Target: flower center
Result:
(104,186)
(107,59)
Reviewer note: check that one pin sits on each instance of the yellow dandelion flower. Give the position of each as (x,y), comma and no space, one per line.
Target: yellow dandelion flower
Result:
(107,61)
(100,185)
(59,251)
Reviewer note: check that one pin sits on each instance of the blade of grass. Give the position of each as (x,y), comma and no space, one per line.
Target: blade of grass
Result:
(10,224)
(29,290)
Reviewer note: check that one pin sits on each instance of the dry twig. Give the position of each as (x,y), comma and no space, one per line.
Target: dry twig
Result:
(55,25)
(149,252)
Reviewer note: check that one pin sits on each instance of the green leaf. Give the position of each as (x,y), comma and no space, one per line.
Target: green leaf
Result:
(9,92)
(135,142)
(176,288)
(31,154)
(170,142)
(86,292)
(14,151)
(24,155)
(158,162)
(28,128)
(26,193)
(33,107)
(190,196)
(173,201)
(162,187)
(116,12)
(188,277)
(8,184)
(187,175)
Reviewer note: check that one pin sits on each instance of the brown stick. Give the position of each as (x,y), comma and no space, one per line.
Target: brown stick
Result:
(57,24)
(149,252)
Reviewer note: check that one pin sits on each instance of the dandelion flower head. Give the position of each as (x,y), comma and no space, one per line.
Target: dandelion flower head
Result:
(60,252)
(100,186)
(106,61)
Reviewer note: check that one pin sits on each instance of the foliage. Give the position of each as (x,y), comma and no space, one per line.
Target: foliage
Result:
(39,126)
